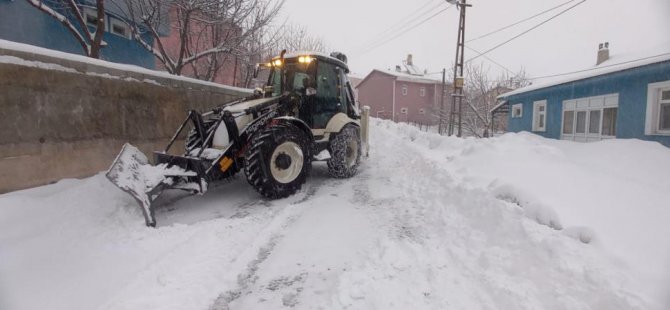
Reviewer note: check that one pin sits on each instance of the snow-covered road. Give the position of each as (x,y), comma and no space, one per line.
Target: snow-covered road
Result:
(413,230)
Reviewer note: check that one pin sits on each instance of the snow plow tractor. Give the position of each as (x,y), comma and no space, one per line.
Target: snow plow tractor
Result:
(306,112)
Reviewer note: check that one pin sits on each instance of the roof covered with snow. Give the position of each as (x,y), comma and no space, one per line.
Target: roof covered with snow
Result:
(402,76)
(616,63)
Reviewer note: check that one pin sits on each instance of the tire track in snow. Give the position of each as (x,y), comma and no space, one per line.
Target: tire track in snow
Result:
(263,248)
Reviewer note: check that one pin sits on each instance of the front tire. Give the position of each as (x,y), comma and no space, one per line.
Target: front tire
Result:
(277,161)
(345,153)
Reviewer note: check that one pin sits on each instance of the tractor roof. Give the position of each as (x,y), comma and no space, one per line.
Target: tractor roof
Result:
(318,55)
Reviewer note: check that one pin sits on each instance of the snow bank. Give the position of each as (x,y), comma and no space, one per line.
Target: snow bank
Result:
(612,192)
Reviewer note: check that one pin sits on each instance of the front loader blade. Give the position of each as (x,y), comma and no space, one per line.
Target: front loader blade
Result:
(127,173)
(132,173)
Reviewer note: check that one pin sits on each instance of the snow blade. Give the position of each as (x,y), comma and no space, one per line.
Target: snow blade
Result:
(132,173)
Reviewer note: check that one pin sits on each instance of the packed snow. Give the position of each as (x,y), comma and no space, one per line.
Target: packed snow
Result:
(430,222)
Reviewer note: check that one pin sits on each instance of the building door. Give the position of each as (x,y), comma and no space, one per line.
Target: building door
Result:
(590,119)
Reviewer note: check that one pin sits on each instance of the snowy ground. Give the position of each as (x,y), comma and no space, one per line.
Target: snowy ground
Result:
(515,222)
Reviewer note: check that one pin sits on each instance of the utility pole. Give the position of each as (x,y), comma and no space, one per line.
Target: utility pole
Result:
(457,95)
(443,112)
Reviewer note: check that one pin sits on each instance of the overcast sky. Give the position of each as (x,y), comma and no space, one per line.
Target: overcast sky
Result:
(566,43)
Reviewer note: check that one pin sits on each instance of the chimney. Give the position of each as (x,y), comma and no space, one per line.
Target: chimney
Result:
(603,52)
(397,69)
(409,60)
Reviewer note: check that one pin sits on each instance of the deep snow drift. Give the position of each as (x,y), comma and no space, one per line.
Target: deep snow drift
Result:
(430,222)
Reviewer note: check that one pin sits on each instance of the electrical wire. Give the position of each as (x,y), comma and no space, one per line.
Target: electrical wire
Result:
(525,32)
(401,23)
(490,60)
(519,22)
(404,31)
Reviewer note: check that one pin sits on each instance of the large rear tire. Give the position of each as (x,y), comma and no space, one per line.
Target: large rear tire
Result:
(277,162)
(345,153)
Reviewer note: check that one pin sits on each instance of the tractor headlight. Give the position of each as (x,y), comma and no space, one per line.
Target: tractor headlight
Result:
(277,63)
(305,59)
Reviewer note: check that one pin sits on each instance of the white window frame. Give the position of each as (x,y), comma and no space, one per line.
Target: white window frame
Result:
(422,92)
(653,120)
(537,114)
(404,110)
(519,107)
(588,105)
(404,90)
(118,22)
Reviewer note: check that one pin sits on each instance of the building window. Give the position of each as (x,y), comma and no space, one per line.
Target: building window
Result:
(517,110)
(657,121)
(594,121)
(581,122)
(609,122)
(404,90)
(422,111)
(91,16)
(568,122)
(590,119)
(540,115)
(403,110)
(422,92)
(119,28)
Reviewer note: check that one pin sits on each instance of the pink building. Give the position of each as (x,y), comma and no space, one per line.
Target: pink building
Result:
(402,95)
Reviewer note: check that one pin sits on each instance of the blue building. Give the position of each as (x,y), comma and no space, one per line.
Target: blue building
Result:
(624,98)
(23,23)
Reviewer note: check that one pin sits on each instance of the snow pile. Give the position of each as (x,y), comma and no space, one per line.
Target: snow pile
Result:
(430,222)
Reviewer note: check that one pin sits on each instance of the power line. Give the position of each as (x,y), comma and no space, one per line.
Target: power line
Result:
(491,60)
(402,23)
(519,22)
(526,31)
(404,31)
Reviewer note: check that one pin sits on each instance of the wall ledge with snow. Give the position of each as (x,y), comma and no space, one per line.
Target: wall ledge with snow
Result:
(30,55)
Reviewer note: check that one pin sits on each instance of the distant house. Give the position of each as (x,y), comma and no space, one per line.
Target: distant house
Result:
(621,97)
(402,95)
(20,22)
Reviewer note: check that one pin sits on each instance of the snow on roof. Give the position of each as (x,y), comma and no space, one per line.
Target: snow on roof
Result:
(39,51)
(402,76)
(616,63)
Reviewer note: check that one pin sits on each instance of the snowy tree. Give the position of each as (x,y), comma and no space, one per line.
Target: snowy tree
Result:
(207,33)
(480,96)
(66,10)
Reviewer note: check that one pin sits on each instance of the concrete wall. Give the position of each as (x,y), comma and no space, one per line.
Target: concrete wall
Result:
(56,124)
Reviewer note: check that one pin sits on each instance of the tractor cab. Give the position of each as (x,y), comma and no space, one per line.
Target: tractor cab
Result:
(316,84)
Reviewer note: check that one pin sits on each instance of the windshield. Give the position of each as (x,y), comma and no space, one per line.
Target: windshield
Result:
(297,77)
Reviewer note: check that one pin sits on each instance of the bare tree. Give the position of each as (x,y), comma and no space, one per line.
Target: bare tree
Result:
(91,42)
(208,32)
(295,37)
(481,92)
